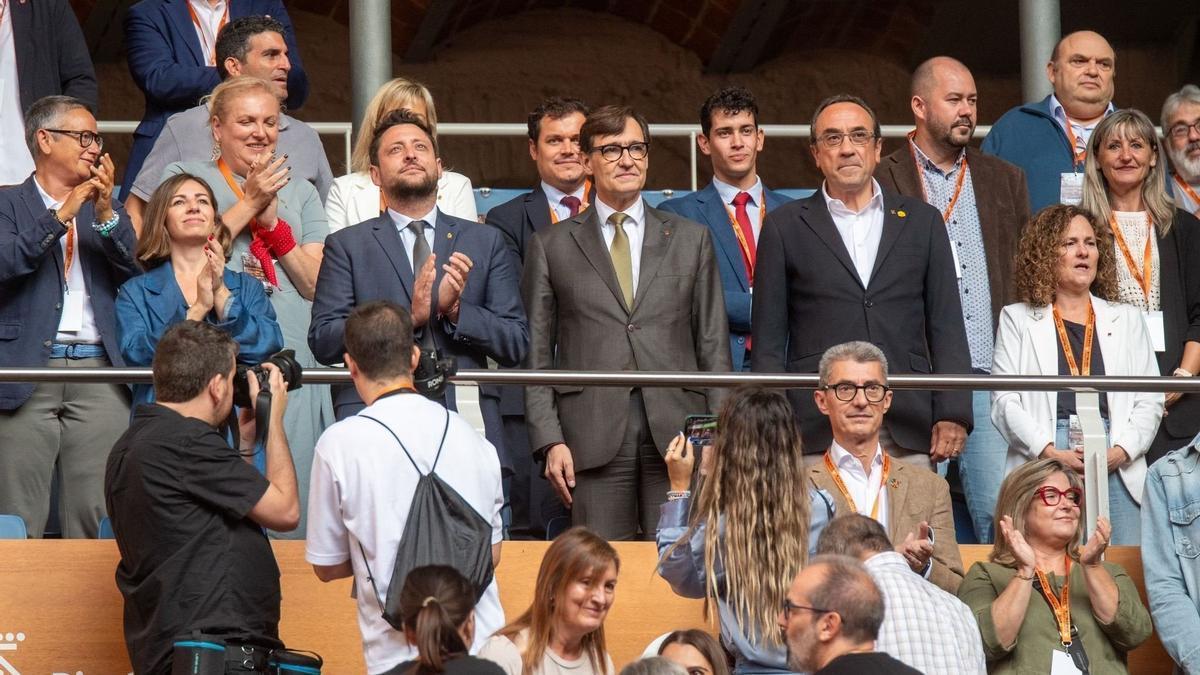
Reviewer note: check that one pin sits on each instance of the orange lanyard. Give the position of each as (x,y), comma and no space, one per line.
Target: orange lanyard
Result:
(1088,333)
(69,257)
(962,177)
(225,171)
(1077,156)
(1060,606)
(587,190)
(1187,189)
(1144,277)
(841,485)
(737,228)
(212,60)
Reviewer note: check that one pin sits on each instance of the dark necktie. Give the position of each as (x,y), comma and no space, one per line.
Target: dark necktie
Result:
(420,254)
(572,203)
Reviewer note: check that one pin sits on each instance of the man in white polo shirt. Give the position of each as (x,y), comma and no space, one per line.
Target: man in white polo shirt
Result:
(362,483)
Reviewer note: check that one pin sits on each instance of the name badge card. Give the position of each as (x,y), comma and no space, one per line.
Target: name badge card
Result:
(1062,664)
(1158,335)
(1070,188)
(72,312)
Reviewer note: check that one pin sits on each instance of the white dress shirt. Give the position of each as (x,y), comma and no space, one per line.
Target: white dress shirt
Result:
(555,197)
(864,488)
(210,16)
(75,283)
(635,229)
(18,163)
(410,238)
(861,230)
(753,207)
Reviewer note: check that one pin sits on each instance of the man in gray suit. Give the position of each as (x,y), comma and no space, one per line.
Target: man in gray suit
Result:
(621,286)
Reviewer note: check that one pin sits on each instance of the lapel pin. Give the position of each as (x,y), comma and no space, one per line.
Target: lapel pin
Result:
(895,483)
(901,213)
(666,233)
(449,235)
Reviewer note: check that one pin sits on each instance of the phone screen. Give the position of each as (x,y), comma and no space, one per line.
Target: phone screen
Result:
(700,429)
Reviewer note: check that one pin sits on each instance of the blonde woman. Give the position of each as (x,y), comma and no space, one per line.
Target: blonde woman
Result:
(355,197)
(752,528)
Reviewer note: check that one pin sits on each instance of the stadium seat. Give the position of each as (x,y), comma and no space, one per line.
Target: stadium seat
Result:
(106,531)
(12,527)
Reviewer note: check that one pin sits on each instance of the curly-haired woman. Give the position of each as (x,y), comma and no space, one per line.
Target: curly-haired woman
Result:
(1070,323)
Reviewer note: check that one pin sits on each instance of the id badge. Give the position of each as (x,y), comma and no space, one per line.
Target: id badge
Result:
(1061,663)
(251,266)
(1154,325)
(72,311)
(1070,188)
(957,263)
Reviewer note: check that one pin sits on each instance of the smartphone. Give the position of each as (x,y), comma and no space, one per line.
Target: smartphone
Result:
(699,429)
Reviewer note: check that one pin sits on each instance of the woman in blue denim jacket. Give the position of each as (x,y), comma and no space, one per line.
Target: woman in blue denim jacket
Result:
(753,527)
(1171,553)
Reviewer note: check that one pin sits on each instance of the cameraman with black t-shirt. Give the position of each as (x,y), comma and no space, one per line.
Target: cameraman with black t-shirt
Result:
(188,510)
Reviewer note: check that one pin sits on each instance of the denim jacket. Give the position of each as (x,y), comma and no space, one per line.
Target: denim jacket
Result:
(1171,553)
(684,570)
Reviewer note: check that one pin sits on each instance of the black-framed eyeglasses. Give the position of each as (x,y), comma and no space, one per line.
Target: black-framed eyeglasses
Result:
(789,607)
(1051,496)
(613,152)
(85,138)
(1182,129)
(834,139)
(845,391)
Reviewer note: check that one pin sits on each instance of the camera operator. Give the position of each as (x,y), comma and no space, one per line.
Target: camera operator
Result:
(188,510)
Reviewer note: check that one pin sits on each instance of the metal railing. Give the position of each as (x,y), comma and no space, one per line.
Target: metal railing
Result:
(675,379)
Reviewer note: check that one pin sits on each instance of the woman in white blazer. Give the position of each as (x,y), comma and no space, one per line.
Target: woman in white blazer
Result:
(353,198)
(1066,276)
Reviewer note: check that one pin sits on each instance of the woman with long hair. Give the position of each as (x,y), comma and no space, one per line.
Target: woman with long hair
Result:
(1039,560)
(354,198)
(437,610)
(1069,322)
(752,527)
(1157,251)
(698,652)
(563,629)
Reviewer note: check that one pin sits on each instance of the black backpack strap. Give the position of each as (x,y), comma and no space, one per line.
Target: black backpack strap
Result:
(441,443)
(401,444)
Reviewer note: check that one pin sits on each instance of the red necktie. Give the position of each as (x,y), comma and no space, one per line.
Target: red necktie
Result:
(571,202)
(743,221)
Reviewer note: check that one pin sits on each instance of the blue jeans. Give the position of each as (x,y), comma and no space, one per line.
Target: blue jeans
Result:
(1123,512)
(981,467)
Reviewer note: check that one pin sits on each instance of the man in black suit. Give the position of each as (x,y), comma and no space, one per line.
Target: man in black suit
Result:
(563,191)
(852,262)
(416,256)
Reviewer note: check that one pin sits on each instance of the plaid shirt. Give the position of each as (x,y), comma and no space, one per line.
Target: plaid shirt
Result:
(924,626)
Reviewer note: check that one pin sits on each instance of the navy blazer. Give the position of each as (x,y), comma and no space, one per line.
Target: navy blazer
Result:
(704,206)
(52,55)
(368,261)
(167,64)
(31,280)
(149,304)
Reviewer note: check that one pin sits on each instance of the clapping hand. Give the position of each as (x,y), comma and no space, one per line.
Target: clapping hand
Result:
(1093,551)
(917,548)
(1021,550)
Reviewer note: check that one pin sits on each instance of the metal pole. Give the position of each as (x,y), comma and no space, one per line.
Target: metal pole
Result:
(692,159)
(1040,31)
(370,51)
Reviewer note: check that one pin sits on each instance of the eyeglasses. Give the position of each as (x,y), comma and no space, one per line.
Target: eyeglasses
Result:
(85,138)
(834,139)
(844,391)
(1182,129)
(1051,495)
(612,153)
(789,607)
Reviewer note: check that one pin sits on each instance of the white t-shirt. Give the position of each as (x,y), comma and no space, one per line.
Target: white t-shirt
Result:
(360,493)
(506,654)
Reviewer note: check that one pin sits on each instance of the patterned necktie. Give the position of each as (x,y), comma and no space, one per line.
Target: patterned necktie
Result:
(571,202)
(622,260)
(743,220)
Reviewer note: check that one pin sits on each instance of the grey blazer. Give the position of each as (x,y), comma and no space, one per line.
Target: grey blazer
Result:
(578,321)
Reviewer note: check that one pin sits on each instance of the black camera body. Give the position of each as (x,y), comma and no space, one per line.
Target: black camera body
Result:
(284,360)
(433,372)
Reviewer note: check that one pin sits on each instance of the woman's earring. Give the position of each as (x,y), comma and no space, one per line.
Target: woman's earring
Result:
(216,151)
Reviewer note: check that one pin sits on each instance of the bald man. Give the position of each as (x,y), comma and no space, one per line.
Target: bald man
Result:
(1048,138)
(984,202)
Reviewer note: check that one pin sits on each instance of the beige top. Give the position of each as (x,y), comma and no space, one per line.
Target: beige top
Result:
(507,654)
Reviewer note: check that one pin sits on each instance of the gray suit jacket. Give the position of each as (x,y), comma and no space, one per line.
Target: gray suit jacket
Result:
(578,321)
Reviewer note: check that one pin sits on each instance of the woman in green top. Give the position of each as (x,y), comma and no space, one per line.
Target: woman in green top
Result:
(1037,562)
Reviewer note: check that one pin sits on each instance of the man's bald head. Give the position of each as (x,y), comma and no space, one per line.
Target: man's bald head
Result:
(1082,69)
(926,76)
(944,106)
(1085,36)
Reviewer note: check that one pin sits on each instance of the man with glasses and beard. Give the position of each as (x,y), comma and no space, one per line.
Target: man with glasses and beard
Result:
(456,277)
(1181,128)
(984,202)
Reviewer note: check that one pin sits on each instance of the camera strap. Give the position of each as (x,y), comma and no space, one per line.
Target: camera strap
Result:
(262,418)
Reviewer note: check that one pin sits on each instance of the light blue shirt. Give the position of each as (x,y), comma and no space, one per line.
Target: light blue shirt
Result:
(1082,133)
(409,238)
(753,207)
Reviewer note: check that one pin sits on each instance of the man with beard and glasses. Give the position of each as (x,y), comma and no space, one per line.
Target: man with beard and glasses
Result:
(1049,138)
(457,277)
(984,202)
(1181,127)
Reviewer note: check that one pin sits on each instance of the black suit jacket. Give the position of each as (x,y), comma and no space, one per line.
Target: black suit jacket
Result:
(52,56)
(1001,198)
(1179,296)
(808,297)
